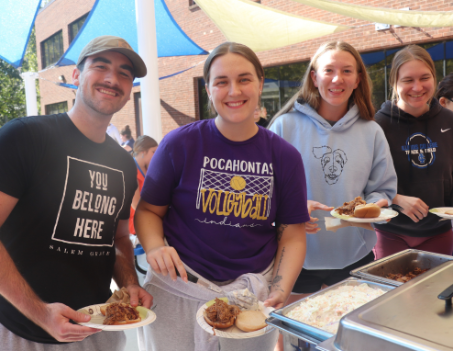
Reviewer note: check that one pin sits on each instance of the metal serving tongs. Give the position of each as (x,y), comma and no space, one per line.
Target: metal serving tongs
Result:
(242,298)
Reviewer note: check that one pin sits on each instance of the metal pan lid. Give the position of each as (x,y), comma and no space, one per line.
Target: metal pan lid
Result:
(401,262)
(413,316)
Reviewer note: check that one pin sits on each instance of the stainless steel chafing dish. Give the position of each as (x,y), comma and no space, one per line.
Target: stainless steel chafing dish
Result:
(415,316)
(307,332)
(402,262)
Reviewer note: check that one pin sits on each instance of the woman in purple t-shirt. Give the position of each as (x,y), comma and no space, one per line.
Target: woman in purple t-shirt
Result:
(210,198)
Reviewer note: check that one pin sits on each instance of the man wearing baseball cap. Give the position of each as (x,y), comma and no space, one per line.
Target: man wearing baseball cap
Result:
(65,195)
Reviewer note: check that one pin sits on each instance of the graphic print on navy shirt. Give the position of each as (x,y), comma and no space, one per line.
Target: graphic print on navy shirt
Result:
(332,162)
(235,190)
(420,150)
(92,200)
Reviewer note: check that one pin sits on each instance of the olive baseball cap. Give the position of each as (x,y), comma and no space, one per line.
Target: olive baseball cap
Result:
(112,43)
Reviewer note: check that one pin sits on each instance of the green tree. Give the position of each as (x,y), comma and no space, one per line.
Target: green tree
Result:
(12,92)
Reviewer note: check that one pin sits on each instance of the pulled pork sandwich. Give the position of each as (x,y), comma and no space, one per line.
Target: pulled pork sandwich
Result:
(118,313)
(359,208)
(221,315)
(349,207)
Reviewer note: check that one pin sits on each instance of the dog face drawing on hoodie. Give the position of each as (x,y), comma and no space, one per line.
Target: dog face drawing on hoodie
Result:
(332,162)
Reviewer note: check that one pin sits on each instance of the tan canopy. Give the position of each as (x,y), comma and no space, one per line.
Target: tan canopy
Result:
(384,15)
(261,27)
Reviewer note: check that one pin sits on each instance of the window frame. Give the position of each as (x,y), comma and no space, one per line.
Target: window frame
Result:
(71,29)
(47,59)
(50,108)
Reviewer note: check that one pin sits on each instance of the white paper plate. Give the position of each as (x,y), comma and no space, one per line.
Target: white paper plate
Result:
(440,211)
(232,332)
(97,318)
(386,213)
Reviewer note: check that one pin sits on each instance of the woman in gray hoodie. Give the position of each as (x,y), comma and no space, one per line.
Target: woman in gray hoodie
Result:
(345,153)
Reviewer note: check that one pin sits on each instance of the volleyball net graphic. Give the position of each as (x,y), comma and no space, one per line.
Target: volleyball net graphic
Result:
(254,185)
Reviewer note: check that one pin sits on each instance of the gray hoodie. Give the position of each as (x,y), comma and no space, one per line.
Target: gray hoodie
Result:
(349,159)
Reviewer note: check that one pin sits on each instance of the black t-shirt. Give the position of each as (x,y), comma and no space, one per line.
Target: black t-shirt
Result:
(72,192)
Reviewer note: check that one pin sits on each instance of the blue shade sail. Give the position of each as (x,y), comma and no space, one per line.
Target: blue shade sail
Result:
(171,40)
(136,83)
(117,17)
(16,22)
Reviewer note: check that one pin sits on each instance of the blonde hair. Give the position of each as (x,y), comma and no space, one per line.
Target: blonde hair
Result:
(234,48)
(143,144)
(410,53)
(310,94)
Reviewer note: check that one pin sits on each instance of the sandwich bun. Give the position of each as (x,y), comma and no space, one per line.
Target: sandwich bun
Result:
(250,321)
(128,321)
(218,324)
(131,321)
(220,314)
(367,211)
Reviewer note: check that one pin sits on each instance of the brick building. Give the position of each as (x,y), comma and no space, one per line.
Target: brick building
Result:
(182,96)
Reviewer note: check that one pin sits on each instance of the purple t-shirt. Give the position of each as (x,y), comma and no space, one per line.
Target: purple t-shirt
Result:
(224,196)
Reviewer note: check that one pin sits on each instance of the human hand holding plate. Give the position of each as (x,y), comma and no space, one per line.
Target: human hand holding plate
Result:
(312,227)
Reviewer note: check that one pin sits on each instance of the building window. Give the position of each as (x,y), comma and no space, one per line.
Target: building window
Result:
(59,107)
(192,3)
(75,26)
(203,101)
(280,84)
(52,49)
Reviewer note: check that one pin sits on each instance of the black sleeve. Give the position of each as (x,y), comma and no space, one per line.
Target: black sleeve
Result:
(16,157)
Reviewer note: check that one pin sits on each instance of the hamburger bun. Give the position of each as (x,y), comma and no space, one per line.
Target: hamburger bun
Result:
(367,211)
(220,314)
(218,324)
(132,321)
(250,321)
